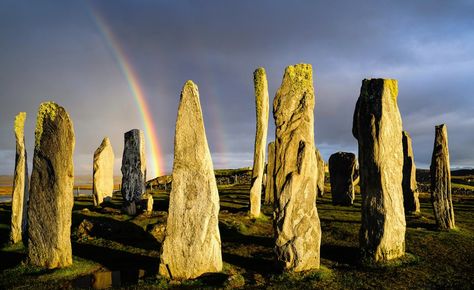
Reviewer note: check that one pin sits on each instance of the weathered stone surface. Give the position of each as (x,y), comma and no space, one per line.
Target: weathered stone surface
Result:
(51,191)
(410,191)
(378,129)
(192,244)
(133,167)
(103,175)
(270,185)
(296,222)
(342,166)
(147,203)
(320,172)
(20,183)
(261,104)
(441,180)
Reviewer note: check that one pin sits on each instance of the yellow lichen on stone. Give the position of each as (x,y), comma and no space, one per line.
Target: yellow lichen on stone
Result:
(19,125)
(46,110)
(258,79)
(392,86)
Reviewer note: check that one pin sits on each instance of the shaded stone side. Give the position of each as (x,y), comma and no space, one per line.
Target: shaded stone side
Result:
(342,166)
(441,180)
(133,167)
(192,243)
(378,129)
(320,174)
(103,173)
(51,191)
(270,186)
(296,222)
(410,191)
(261,105)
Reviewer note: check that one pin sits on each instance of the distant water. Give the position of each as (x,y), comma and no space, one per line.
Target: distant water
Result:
(81,192)
(5,198)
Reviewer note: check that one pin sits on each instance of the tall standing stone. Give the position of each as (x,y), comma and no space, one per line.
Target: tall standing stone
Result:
(20,183)
(261,104)
(342,166)
(410,192)
(192,243)
(51,191)
(320,174)
(103,175)
(133,168)
(296,223)
(270,186)
(378,129)
(441,180)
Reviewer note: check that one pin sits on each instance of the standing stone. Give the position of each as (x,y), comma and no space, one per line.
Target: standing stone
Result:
(270,184)
(20,183)
(51,192)
(103,176)
(133,169)
(296,222)
(441,180)
(261,104)
(342,166)
(320,172)
(378,129)
(192,243)
(410,193)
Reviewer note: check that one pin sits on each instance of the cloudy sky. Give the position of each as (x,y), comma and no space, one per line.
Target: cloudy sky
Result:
(57,50)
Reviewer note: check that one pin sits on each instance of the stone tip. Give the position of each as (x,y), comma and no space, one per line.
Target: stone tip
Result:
(132,131)
(441,126)
(377,85)
(19,123)
(259,72)
(47,110)
(189,84)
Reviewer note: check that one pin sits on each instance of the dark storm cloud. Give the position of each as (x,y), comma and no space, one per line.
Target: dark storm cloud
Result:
(54,48)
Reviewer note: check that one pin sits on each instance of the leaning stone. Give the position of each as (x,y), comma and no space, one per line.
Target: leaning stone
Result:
(261,104)
(20,184)
(133,167)
(320,171)
(270,182)
(410,192)
(296,222)
(441,181)
(378,129)
(51,191)
(103,175)
(192,244)
(342,166)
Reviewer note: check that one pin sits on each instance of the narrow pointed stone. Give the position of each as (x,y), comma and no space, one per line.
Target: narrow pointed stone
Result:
(342,166)
(261,104)
(320,172)
(51,191)
(192,243)
(441,180)
(378,129)
(103,175)
(296,223)
(270,185)
(20,183)
(133,168)
(410,192)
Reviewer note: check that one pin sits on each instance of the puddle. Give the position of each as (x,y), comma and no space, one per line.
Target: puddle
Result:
(108,279)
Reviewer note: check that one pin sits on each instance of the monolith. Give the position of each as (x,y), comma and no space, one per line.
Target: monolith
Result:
(51,191)
(192,243)
(133,168)
(20,183)
(320,174)
(410,192)
(261,104)
(342,166)
(296,222)
(103,174)
(270,186)
(378,128)
(441,180)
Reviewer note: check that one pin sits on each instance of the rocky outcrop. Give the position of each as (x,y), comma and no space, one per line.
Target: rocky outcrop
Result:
(103,174)
(409,185)
(133,168)
(270,185)
(51,196)
(320,177)
(192,243)
(296,222)
(441,180)
(20,183)
(378,129)
(342,166)
(261,104)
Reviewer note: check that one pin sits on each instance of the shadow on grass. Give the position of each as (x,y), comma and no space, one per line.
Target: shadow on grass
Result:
(10,259)
(255,264)
(341,254)
(232,235)
(329,220)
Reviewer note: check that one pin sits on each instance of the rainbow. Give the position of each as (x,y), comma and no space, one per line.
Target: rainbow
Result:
(131,76)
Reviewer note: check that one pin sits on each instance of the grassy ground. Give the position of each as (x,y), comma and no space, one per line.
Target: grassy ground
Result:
(109,240)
